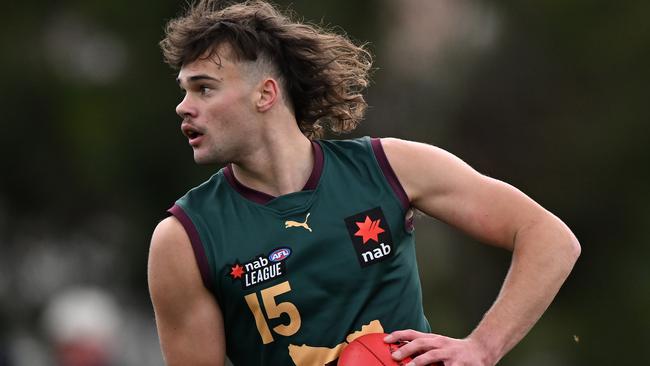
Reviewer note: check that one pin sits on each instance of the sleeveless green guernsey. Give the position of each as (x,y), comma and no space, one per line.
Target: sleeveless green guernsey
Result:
(300,275)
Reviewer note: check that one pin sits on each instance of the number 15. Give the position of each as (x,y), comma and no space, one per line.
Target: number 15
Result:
(273,311)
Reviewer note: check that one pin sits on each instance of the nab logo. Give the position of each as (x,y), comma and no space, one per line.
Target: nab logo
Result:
(370,236)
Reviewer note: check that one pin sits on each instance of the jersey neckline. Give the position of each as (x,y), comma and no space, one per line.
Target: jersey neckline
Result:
(263,198)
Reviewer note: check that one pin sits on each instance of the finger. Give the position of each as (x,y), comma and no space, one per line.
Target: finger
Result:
(417,346)
(433,357)
(404,335)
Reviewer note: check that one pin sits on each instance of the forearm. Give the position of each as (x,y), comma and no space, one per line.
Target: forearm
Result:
(543,256)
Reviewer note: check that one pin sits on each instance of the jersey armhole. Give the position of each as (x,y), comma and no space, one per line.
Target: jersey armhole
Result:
(197,246)
(389,173)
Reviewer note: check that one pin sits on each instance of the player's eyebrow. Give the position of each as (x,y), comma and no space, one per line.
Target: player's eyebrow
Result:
(199,77)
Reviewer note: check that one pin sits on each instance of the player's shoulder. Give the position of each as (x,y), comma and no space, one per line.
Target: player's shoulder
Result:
(407,151)
(358,143)
(395,150)
(210,184)
(170,251)
(168,226)
(167,234)
(402,144)
(205,193)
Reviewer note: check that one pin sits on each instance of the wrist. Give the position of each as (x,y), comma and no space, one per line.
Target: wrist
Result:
(490,353)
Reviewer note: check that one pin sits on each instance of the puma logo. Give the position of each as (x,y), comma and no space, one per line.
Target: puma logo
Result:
(291,223)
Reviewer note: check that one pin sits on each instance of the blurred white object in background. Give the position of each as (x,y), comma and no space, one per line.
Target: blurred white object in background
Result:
(83,326)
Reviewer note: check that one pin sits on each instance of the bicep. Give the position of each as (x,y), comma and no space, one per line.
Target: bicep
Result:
(188,318)
(443,186)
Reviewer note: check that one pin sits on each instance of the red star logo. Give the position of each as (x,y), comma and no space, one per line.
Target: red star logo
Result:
(369,229)
(236,271)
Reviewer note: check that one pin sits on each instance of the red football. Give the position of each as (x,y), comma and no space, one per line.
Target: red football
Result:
(370,350)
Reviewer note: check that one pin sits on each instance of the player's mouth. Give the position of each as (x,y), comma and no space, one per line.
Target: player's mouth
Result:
(193,134)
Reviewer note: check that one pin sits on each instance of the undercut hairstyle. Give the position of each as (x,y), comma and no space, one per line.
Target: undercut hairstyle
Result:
(322,73)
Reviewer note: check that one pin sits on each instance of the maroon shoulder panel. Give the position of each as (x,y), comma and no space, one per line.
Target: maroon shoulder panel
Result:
(197,246)
(390,175)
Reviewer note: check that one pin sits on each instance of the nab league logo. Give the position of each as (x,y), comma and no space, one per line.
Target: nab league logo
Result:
(259,269)
(370,236)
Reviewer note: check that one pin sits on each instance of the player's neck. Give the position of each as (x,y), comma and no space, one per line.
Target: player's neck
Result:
(281,164)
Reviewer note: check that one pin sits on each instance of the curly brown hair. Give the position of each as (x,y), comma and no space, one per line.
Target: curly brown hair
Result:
(323,73)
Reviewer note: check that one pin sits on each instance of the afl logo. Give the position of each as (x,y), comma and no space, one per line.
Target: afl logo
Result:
(279,254)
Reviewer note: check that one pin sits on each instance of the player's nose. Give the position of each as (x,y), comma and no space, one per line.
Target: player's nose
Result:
(185,108)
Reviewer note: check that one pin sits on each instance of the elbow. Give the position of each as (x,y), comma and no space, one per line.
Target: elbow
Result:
(570,249)
(574,248)
(566,248)
(567,245)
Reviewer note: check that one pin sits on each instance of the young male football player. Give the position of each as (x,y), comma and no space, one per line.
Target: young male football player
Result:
(300,245)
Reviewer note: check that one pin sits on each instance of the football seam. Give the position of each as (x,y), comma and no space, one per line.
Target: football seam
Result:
(373,354)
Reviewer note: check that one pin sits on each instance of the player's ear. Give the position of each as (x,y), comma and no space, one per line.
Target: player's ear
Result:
(268,94)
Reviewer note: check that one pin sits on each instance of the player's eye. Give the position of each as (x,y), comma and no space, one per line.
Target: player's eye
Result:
(204,89)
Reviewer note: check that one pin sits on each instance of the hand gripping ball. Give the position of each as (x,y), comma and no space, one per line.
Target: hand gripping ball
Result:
(371,350)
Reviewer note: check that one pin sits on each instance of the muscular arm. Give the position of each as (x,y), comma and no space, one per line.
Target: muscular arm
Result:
(189,321)
(544,249)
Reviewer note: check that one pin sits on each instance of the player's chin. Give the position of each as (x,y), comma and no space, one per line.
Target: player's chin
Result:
(201,158)
(204,162)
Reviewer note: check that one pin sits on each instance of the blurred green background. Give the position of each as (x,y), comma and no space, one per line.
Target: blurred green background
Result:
(549,96)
